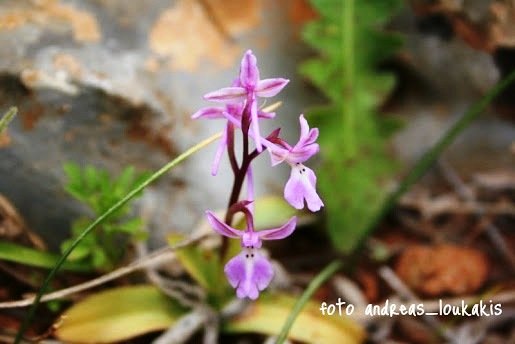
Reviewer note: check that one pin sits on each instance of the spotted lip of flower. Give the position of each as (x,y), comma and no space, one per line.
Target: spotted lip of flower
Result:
(302,182)
(250,271)
(247,89)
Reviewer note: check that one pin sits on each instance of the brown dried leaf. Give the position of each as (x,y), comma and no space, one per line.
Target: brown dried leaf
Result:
(442,269)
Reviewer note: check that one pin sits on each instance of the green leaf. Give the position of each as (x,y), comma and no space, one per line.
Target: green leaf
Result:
(28,256)
(269,312)
(205,267)
(118,314)
(7,118)
(202,264)
(356,167)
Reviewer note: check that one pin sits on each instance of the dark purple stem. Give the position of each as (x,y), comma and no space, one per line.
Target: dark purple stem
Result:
(239,173)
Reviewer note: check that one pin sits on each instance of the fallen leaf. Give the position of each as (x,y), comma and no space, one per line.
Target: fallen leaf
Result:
(442,269)
(118,314)
(268,314)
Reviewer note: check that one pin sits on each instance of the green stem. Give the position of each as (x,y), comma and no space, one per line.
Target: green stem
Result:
(323,276)
(102,218)
(7,118)
(348,80)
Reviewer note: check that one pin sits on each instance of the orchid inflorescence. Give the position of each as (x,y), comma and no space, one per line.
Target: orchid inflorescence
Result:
(250,271)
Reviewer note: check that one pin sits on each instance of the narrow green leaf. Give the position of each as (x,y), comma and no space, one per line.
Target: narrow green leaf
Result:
(323,276)
(28,256)
(7,118)
(103,218)
(118,314)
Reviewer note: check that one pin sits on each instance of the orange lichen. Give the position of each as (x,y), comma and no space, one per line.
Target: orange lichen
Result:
(185,34)
(233,17)
(68,63)
(51,12)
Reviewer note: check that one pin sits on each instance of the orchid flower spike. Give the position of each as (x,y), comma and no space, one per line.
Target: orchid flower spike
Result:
(232,112)
(302,182)
(250,271)
(247,89)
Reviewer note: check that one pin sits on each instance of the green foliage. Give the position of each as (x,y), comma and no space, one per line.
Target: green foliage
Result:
(7,118)
(96,189)
(353,138)
(12,252)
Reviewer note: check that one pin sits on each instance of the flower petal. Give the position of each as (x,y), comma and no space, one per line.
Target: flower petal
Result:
(302,153)
(280,232)
(300,186)
(222,228)
(235,270)
(312,199)
(227,95)
(219,151)
(307,136)
(249,272)
(249,73)
(209,113)
(250,189)
(270,87)
(255,125)
(277,153)
(267,115)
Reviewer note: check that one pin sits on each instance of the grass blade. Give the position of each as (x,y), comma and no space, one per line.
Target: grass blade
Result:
(7,118)
(28,256)
(102,218)
(328,271)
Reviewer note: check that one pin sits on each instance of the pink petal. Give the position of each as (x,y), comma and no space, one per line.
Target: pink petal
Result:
(267,115)
(277,154)
(263,271)
(307,136)
(232,119)
(249,73)
(250,189)
(280,232)
(219,151)
(312,199)
(255,126)
(251,239)
(249,272)
(222,228)
(304,127)
(299,155)
(235,270)
(227,95)
(270,87)
(208,113)
(300,186)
